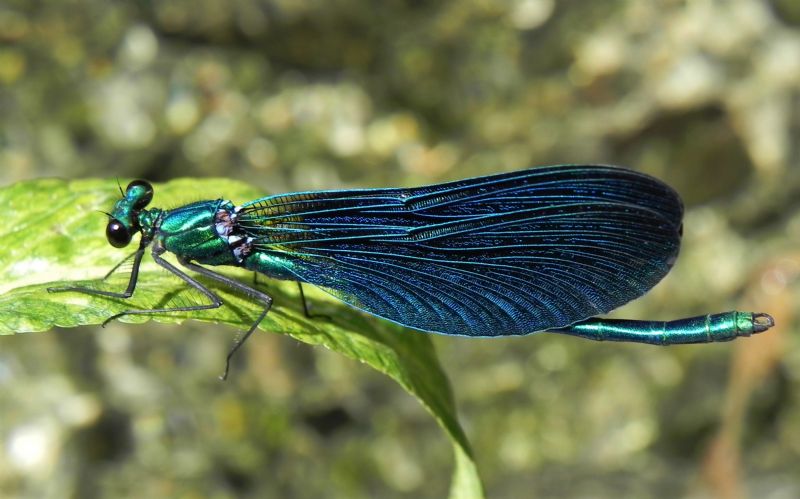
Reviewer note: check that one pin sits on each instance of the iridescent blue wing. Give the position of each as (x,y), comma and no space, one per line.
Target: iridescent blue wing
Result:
(505,254)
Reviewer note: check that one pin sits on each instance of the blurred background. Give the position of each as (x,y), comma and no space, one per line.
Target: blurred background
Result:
(301,94)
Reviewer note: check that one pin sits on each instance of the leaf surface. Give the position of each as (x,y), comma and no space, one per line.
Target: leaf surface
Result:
(54,234)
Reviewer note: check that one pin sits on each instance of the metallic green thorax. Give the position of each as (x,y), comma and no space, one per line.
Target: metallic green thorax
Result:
(204,232)
(191,232)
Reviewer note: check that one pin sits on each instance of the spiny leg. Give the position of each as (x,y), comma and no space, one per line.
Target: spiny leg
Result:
(257,283)
(216,301)
(134,277)
(306,311)
(120,264)
(308,314)
(265,299)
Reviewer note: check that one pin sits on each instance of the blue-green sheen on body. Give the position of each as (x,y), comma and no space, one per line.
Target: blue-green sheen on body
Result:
(272,265)
(206,232)
(190,231)
(545,249)
(702,329)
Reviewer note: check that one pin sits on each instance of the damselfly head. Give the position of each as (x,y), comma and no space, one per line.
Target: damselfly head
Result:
(124,219)
(140,192)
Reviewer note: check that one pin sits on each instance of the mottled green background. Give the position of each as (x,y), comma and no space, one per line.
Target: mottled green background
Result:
(302,94)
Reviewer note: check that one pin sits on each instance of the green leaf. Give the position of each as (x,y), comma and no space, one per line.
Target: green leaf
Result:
(53,234)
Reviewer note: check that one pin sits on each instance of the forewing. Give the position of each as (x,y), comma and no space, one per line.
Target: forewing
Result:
(505,254)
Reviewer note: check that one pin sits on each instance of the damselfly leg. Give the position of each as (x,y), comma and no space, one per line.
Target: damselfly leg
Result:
(216,301)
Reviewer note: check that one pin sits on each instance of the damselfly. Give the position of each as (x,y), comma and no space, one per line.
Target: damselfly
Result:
(545,249)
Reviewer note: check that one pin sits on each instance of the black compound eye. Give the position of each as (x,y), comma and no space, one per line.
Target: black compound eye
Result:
(141,192)
(117,234)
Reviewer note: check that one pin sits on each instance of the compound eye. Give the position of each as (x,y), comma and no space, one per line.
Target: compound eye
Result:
(117,234)
(141,192)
